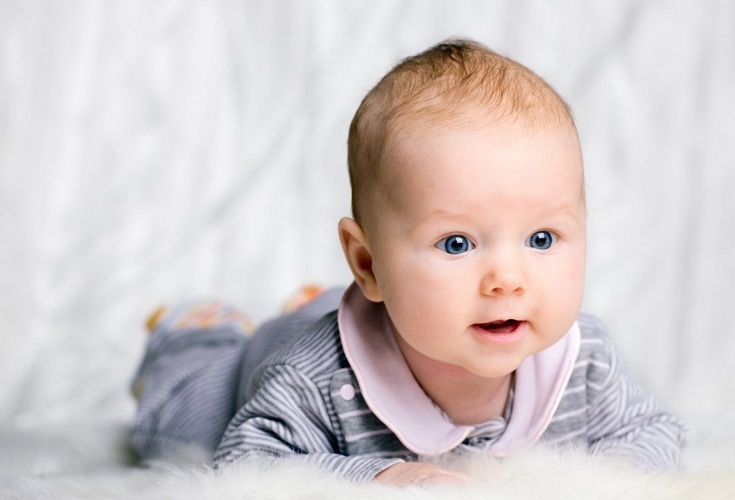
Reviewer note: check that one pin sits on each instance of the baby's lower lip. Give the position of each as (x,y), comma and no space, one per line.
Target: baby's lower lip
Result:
(501,331)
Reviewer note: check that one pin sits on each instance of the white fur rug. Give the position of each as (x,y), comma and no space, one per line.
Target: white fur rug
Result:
(92,462)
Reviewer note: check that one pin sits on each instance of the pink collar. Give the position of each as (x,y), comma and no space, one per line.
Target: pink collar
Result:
(391,392)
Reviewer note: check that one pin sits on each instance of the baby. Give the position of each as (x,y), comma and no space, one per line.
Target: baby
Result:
(462,331)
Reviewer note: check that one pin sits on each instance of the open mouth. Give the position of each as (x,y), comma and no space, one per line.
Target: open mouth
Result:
(501,326)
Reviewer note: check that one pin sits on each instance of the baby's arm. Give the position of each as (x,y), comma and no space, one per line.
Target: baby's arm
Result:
(288,417)
(627,421)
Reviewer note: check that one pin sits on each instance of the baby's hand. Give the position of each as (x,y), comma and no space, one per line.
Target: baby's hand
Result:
(418,474)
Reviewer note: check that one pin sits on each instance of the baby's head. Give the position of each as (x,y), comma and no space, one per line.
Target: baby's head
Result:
(468,206)
(449,85)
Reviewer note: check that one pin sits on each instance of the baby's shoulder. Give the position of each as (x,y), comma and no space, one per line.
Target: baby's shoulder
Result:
(598,359)
(317,350)
(594,337)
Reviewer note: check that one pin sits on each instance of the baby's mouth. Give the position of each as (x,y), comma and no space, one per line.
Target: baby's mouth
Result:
(501,326)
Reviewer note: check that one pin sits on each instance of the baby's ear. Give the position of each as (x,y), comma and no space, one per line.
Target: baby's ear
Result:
(359,258)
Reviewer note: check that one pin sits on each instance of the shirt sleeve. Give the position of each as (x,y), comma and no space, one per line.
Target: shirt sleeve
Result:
(627,421)
(288,417)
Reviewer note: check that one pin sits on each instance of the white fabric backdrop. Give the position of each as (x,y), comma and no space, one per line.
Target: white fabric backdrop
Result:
(151,151)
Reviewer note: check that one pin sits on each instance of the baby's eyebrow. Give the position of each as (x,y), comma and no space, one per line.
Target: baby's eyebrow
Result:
(562,208)
(562,216)
(443,212)
(433,216)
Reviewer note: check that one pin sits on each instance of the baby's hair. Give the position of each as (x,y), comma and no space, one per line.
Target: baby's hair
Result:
(437,88)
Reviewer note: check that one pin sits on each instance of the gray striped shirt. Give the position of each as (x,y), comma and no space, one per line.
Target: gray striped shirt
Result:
(305,401)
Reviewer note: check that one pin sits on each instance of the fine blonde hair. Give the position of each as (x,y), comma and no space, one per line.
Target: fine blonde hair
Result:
(433,89)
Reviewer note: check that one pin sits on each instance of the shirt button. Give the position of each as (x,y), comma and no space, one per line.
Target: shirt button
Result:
(347,392)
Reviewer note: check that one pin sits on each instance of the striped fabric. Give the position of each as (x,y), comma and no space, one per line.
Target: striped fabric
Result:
(305,402)
(188,385)
(603,407)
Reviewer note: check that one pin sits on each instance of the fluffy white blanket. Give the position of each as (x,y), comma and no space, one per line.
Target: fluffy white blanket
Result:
(92,462)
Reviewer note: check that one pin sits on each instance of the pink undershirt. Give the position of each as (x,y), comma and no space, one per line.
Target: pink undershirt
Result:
(394,396)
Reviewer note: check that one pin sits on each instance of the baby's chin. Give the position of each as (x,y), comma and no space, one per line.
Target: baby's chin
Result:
(497,370)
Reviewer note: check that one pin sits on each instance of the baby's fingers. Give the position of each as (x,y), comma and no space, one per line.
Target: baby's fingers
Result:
(419,474)
(443,476)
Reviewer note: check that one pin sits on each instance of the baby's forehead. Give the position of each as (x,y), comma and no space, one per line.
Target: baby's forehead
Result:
(410,136)
(412,150)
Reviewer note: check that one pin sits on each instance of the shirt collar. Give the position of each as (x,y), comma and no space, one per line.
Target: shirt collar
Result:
(394,396)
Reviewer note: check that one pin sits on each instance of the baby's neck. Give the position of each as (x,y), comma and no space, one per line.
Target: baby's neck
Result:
(469,402)
(467,398)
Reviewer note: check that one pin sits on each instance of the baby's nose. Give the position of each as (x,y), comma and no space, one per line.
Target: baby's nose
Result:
(505,275)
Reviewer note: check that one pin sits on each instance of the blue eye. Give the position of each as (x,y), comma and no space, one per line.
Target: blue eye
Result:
(455,244)
(541,240)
